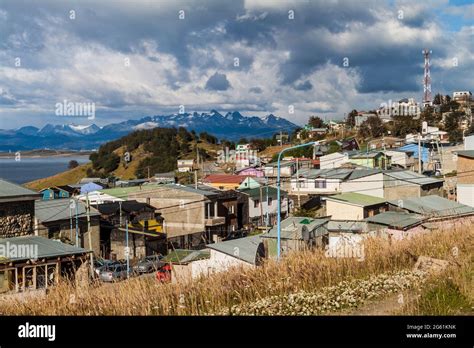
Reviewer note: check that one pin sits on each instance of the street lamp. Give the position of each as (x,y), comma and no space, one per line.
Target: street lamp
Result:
(312,143)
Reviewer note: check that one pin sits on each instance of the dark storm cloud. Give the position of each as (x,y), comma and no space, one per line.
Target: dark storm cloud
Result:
(256,90)
(304,86)
(218,82)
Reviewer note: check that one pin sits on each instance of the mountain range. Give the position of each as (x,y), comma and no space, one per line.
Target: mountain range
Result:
(232,126)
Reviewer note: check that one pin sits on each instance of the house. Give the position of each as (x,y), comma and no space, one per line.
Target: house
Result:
(413,148)
(17,209)
(433,207)
(287,169)
(245,156)
(332,181)
(396,224)
(224,181)
(462,97)
(90,187)
(297,233)
(98,197)
(67,221)
(54,193)
(193,216)
(187,264)
(376,159)
(251,171)
(102,182)
(354,206)
(465,177)
(406,184)
(469,142)
(53,260)
(73,190)
(362,116)
(401,159)
(263,204)
(145,230)
(186,165)
(244,252)
(128,183)
(333,160)
(344,237)
(165,178)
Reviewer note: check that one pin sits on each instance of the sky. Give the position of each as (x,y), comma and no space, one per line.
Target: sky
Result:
(290,58)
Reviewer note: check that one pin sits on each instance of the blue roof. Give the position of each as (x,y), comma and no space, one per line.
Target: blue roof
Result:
(414,148)
(89,187)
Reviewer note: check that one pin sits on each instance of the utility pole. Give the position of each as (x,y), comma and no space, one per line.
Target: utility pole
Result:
(419,153)
(120,212)
(298,181)
(261,205)
(195,179)
(281,138)
(267,220)
(89,232)
(77,223)
(127,248)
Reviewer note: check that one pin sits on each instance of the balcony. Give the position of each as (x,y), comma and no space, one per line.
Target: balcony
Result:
(214,221)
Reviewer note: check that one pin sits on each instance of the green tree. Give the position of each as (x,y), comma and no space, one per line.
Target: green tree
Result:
(372,127)
(350,119)
(316,122)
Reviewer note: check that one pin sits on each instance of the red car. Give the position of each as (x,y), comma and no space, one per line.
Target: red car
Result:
(164,274)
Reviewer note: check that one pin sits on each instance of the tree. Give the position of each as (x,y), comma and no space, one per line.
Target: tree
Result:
(372,127)
(451,125)
(403,125)
(72,164)
(316,122)
(350,119)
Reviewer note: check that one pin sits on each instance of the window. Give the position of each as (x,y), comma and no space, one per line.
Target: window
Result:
(270,200)
(231,209)
(256,203)
(320,184)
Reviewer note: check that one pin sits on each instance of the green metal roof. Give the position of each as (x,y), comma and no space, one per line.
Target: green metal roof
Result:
(184,256)
(9,189)
(466,153)
(255,192)
(292,227)
(347,226)
(59,209)
(400,220)
(244,249)
(358,199)
(433,206)
(43,246)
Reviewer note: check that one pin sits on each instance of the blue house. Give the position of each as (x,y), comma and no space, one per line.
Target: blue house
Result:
(425,152)
(54,193)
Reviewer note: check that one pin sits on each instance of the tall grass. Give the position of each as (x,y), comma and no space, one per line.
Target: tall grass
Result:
(299,271)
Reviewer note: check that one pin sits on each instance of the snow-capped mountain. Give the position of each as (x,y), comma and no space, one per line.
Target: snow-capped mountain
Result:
(232,126)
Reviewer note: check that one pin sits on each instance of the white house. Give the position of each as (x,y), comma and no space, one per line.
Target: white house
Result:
(185,165)
(339,180)
(469,142)
(354,206)
(260,207)
(403,159)
(333,160)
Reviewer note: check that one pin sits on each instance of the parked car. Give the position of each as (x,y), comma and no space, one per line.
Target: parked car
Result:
(149,264)
(101,264)
(114,272)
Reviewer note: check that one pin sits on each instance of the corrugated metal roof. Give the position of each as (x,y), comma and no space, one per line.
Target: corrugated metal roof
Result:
(255,192)
(433,206)
(291,228)
(9,189)
(466,153)
(396,219)
(59,209)
(45,247)
(244,249)
(357,199)
(346,226)
(412,177)
(184,256)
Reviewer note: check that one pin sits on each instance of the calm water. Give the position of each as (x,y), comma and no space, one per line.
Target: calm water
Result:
(29,169)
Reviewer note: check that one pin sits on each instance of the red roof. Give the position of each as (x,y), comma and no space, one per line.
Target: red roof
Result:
(225,178)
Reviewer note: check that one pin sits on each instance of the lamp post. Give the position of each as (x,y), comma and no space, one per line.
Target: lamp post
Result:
(312,143)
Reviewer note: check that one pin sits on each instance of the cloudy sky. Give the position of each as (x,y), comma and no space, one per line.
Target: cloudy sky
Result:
(138,58)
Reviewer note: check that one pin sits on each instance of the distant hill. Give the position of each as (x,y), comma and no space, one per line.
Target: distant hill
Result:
(232,126)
